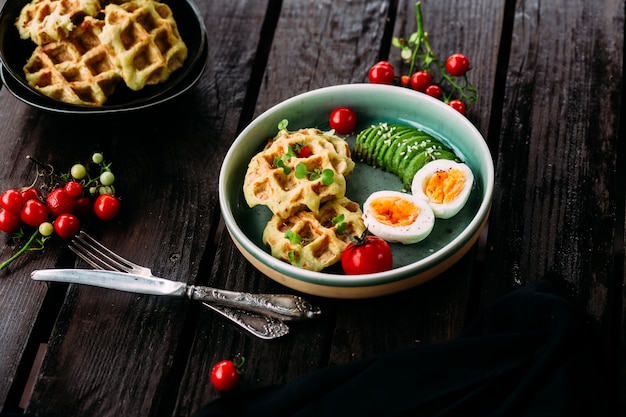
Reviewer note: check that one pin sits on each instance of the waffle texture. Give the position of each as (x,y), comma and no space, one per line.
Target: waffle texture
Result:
(145,38)
(320,243)
(312,219)
(79,69)
(85,47)
(278,187)
(45,21)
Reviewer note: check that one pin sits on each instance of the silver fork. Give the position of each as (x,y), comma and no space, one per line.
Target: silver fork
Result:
(100,257)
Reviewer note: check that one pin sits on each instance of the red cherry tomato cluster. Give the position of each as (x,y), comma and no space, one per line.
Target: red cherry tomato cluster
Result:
(445,81)
(457,65)
(62,209)
(226,374)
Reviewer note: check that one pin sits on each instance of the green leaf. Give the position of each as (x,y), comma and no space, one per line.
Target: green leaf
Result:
(301,171)
(338,219)
(340,225)
(281,164)
(293,237)
(328,176)
(282,125)
(290,154)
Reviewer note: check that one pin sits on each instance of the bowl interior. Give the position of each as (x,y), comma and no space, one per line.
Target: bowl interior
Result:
(372,104)
(14,52)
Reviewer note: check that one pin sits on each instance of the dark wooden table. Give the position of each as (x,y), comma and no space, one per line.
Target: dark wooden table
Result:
(549,76)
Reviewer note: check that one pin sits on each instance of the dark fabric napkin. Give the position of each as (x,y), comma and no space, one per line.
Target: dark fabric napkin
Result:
(529,354)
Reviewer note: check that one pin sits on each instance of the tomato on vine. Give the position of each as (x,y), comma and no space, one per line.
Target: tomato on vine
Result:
(46,229)
(226,375)
(457,65)
(9,221)
(59,202)
(106,207)
(421,80)
(31,194)
(367,255)
(73,189)
(451,76)
(12,200)
(457,105)
(66,226)
(343,120)
(434,91)
(84,207)
(382,73)
(68,195)
(34,213)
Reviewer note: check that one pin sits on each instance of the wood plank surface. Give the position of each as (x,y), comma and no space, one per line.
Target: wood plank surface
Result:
(551,108)
(557,164)
(172,154)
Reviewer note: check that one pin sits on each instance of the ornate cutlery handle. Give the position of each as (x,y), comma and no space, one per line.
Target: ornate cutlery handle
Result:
(261,326)
(282,306)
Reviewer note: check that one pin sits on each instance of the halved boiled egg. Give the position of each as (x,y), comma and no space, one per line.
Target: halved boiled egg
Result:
(445,184)
(398,217)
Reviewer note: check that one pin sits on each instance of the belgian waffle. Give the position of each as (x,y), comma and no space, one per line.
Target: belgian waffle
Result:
(277,187)
(77,70)
(320,244)
(45,21)
(146,41)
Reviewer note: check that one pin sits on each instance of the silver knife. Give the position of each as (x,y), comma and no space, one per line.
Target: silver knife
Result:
(282,306)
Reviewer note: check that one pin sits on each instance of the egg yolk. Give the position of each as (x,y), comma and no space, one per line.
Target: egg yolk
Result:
(445,186)
(395,211)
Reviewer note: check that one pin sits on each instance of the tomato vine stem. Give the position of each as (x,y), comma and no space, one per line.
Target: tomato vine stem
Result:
(418,46)
(24,249)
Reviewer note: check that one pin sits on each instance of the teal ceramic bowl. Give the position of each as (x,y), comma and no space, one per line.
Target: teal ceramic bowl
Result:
(413,264)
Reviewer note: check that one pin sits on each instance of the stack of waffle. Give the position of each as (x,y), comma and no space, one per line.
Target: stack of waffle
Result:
(83,49)
(312,221)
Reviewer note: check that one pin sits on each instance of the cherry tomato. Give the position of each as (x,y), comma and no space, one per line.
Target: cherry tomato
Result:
(34,213)
(457,65)
(381,73)
(59,202)
(303,152)
(31,194)
(106,207)
(66,225)
(46,229)
(9,221)
(405,80)
(12,200)
(343,120)
(369,255)
(84,207)
(457,105)
(226,375)
(73,189)
(421,80)
(434,91)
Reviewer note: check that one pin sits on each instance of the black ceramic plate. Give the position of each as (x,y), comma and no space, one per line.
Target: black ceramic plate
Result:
(14,52)
(31,97)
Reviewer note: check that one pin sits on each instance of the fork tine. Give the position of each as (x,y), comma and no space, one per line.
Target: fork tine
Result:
(98,255)
(86,256)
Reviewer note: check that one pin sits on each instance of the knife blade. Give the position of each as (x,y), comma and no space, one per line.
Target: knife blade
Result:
(282,306)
